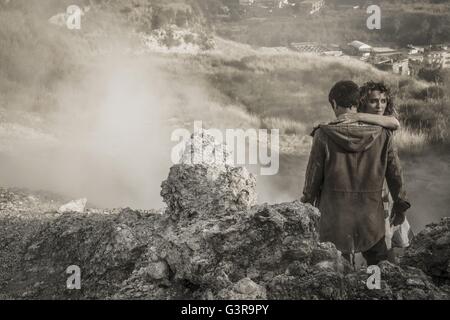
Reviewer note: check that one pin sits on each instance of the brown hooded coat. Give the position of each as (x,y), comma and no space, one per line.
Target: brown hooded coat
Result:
(344,179)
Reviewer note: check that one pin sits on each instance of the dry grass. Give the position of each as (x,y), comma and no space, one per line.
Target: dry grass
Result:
(286,126)
(411,142)
(289,91)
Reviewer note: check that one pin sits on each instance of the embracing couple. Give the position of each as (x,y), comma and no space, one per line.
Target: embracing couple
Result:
(352,161)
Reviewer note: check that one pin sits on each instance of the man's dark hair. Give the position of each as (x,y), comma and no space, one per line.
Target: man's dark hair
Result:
(345,93)
(370,86)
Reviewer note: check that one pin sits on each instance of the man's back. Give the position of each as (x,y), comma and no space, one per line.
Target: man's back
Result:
(345,175)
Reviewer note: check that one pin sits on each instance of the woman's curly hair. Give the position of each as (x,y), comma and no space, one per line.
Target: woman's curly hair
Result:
(370,86)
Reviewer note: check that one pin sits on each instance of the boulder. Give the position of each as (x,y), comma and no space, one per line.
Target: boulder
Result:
(76,206)
(430,251)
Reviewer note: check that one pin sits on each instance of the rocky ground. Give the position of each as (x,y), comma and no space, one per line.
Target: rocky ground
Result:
(211,242)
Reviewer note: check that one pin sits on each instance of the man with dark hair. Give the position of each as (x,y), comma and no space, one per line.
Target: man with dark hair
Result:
(345,94)
(344,179)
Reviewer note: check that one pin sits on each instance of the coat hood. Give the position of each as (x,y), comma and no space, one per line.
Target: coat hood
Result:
(352,137)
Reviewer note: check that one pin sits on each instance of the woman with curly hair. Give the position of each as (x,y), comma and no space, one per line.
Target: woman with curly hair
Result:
(377,107)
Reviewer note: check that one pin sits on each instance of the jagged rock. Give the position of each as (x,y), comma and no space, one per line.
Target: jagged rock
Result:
(221,250)
(22,213)
(106,247)
(201,185)
(202,148)
(157,270)
(430,251)
(77,206)
(199,190)
(396,284)
(244,289)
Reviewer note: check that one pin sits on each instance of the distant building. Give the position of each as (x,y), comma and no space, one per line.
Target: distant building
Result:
(357,48)
(345,4)
(384,51)
(415,49)
(446,60)
(400,66)
(436,59)
(416,57)
(264,7)
(265,3)
(360,46)
(347,7)
(384,58)
(440,47)
(246,2)
(285,3)
(311,6)
(314,47)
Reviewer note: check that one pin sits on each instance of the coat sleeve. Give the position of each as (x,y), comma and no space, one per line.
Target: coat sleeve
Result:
(394,178)
(315,170)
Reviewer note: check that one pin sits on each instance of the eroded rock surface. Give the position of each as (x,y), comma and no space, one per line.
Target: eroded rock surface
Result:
(430,251)
(211,242)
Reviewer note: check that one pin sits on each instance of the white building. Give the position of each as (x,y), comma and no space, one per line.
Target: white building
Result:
(446,60)
(360,46)
(246,2)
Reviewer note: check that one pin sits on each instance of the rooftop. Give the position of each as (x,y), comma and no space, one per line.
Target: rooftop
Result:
(359,44)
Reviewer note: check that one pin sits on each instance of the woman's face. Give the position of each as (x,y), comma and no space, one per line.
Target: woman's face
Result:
(376,103)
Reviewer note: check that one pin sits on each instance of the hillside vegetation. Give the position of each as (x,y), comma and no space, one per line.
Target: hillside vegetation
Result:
(285,86)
